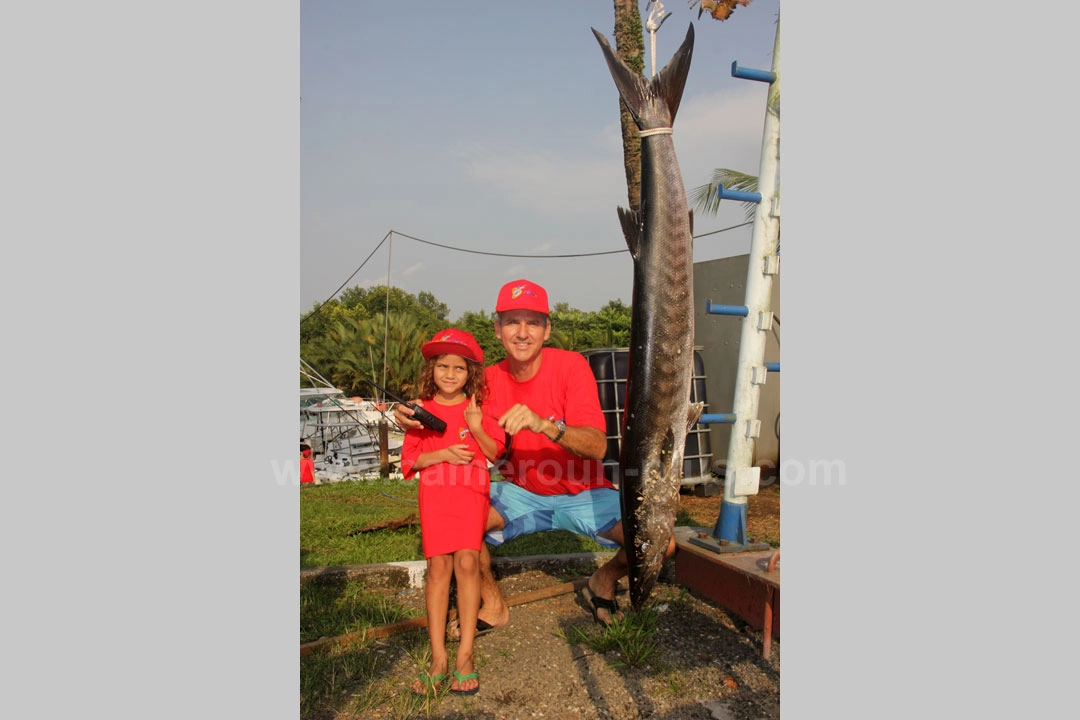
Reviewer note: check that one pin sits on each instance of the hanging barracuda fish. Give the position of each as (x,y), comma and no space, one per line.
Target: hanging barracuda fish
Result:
(658,233)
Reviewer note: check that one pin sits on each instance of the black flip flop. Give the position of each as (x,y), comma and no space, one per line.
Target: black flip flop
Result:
(595,603)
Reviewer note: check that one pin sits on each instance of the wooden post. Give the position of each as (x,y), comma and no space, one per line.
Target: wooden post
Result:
(384,443)
(766,651)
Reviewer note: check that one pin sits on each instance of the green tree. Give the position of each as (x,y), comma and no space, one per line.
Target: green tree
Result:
(429,302)
(316,323)
(341,356)
(429,313)
(615,324)
(352,352)
(342,340)
(401,336)
(567,327)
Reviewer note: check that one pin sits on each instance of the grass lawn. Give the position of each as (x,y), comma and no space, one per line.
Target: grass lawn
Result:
(332,516)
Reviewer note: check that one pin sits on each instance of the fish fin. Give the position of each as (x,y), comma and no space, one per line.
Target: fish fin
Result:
(631,227)
(672,79)
(693,414)
(632,87)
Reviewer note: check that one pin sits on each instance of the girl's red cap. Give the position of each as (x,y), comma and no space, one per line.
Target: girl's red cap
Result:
(455,342)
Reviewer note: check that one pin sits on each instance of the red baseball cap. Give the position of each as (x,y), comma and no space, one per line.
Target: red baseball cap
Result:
(522,295)
(455,342)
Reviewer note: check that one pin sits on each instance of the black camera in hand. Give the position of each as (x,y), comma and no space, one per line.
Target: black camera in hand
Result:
(426,419)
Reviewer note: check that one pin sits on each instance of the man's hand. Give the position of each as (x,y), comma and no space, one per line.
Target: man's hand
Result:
(403,416)
(520,417)
(583,441)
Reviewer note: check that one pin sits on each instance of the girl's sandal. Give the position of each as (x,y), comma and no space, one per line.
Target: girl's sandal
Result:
(429,684)
(462,678)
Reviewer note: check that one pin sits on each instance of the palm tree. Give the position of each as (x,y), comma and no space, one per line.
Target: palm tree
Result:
(401,335)
(630,46)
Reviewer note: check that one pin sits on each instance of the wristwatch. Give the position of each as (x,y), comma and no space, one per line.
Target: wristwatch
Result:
(561,427)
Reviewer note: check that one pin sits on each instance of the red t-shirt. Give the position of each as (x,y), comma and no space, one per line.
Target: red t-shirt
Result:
(563,389)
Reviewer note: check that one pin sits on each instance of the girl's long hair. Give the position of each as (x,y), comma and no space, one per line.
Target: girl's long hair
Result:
(475,384)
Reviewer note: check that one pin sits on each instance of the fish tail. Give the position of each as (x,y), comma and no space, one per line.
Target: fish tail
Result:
(637,92)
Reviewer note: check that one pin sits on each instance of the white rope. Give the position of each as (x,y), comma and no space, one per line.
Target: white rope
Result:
(652,50)
(652,25)
(655,131)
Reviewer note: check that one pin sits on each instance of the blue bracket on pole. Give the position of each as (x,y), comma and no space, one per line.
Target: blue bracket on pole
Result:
(708,419)
(724,194)
(772,367)
(726,309)
(751,74)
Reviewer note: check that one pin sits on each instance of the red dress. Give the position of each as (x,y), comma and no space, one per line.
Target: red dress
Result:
(454,499)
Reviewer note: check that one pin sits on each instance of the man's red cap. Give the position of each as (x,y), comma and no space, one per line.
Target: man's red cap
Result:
(454,342)
(522,295)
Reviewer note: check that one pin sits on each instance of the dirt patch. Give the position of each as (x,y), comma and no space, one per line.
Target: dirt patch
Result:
(708,664)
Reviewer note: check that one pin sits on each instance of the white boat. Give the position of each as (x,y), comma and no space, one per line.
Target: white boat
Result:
(344,432)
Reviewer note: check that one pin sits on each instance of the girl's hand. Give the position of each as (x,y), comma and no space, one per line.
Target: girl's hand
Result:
(403,416)
(474,416)
(458,454)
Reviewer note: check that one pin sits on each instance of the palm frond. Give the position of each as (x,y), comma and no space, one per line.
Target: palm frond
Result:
(704,197)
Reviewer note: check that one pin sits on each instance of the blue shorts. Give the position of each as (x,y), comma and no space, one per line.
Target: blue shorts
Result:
(588,513)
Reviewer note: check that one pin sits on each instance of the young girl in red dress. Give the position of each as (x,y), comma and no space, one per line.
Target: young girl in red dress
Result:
(454,482)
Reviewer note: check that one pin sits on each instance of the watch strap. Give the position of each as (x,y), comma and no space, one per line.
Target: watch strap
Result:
(561,427)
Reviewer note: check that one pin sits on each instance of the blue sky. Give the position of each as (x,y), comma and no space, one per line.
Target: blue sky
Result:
(494,128)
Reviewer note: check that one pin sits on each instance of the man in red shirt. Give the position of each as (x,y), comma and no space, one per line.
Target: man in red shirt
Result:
(546,400)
